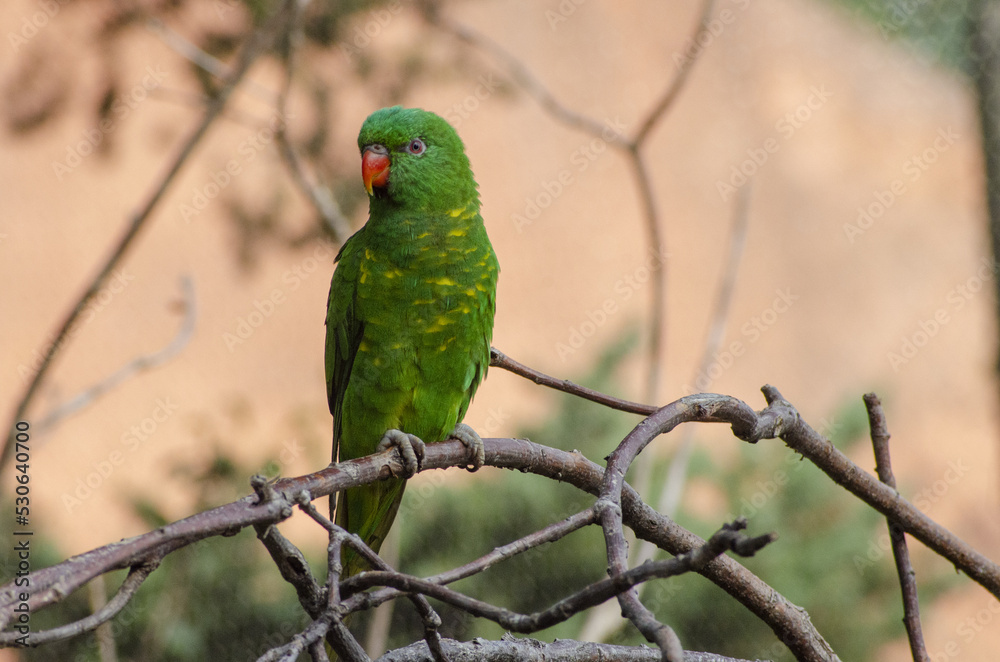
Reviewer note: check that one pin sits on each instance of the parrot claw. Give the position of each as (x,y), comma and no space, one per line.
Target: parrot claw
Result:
(411,449)
(471,439)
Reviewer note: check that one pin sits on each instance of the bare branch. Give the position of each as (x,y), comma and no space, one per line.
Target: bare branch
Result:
(254,46)
(320,196)
(677,84)
(98,596)
(674,487)
(335,588)
(133,367)
(500,360)
(550,533)
(901,554)
(531,650)
(788,622)
(205,61)
(521,74)
(726,539)
(136,576)
(53,583)
(801,438)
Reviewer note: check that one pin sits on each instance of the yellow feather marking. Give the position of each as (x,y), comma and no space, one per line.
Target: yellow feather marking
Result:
(439,323)
(363,346)
(455,212)
(457,232)
(470,292)
(444,280)
(423,235)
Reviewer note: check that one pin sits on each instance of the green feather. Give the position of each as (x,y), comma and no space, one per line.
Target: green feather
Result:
(410,312)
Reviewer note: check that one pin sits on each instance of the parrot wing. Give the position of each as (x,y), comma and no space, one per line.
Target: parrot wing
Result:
(343,336)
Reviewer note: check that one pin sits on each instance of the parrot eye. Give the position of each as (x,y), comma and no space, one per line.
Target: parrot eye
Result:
(416,146)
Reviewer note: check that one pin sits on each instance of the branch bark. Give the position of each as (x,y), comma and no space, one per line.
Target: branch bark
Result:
(511,649)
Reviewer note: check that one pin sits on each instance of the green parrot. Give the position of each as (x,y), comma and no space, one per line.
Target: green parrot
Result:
(410,312)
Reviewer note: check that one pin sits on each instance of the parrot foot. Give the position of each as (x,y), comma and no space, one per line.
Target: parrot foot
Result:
(411,449)
(471,439)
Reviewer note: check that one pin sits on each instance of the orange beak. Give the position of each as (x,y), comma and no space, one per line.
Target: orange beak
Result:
(374,167)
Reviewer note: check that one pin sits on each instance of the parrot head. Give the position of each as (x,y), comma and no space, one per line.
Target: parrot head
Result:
(413,158)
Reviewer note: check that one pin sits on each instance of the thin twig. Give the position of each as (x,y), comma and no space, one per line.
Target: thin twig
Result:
(339,536)
(136,576)
(524,77)
(654,231)
(800,437)
(521,74)
(674,487)
(320,196)
(500,360)
(255,44)
(203,60)
(133,367)
(106,649)
(726,539)
(673,91)
(603,621)
(900,552)
(550,533)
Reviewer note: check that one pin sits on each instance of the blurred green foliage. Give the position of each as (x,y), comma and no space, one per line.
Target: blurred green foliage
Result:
(936,29)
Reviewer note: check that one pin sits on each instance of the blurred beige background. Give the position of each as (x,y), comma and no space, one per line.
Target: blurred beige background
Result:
(845,119)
